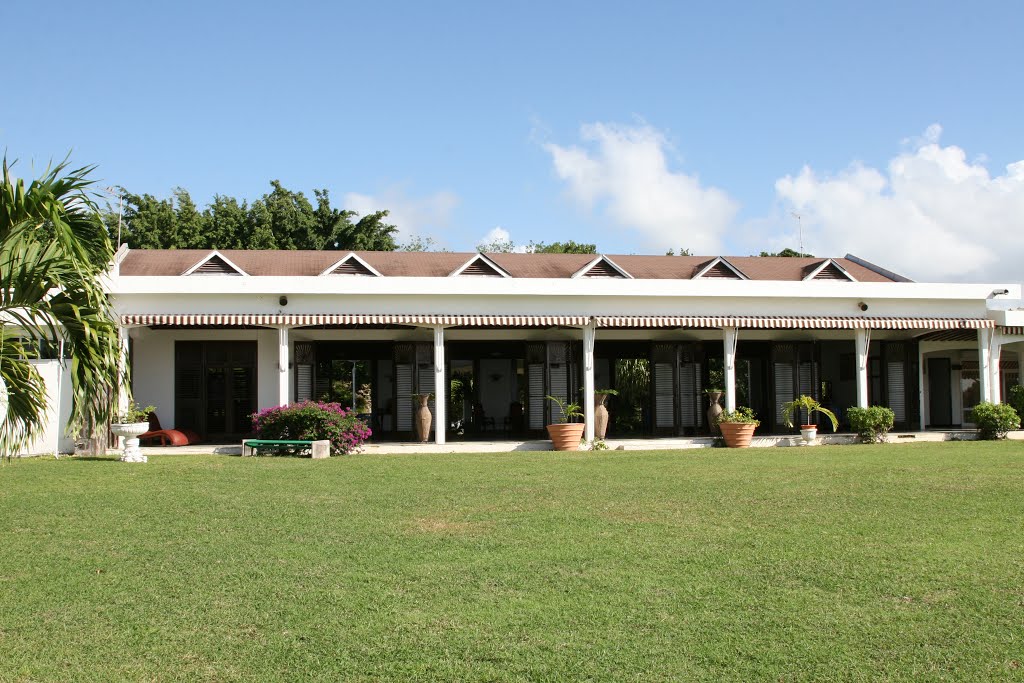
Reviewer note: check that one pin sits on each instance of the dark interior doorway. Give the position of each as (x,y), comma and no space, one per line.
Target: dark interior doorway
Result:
(215,387)
(940,397)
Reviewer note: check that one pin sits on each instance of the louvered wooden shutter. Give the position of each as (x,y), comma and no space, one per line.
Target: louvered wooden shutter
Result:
(404,386)
(691,407)
(558,378)
(304,359)
(535,363)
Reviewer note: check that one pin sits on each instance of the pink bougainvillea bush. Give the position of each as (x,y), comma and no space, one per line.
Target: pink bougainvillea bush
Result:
(313,420)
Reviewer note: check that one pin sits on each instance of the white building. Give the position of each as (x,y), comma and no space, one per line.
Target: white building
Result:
(214,336)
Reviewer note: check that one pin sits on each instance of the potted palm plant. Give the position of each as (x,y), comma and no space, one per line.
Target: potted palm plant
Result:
(566,435)
(808,432)
(737,426)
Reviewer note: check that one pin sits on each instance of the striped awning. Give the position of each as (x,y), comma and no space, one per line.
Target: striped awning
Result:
(608,322)
(1012,330)
(302,320)
(794,322)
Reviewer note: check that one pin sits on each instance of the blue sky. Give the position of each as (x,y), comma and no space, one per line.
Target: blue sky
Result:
(887,126)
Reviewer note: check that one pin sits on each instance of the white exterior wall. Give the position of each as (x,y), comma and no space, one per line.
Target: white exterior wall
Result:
(153,365)
(54,436)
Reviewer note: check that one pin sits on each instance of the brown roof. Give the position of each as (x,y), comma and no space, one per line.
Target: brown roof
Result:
(150,262)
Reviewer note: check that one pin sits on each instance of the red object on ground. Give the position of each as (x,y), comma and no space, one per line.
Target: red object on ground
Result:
(168,437)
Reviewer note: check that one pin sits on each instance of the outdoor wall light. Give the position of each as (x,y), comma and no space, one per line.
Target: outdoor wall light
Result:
(997,292)
(862,306)
(283,301)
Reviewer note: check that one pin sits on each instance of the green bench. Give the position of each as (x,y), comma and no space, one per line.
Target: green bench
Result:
(316,449)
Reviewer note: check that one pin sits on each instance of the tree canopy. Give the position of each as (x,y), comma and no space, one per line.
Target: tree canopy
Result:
(567,247)
(785,252)
(280,219)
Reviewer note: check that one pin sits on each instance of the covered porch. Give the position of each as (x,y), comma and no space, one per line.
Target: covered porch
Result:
(489,376)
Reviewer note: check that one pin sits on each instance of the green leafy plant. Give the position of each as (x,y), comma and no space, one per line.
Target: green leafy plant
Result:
(313,420)
(871,424)
(742,415)
(994,420)
(606,392)
(1016,399)
(598,445)
(570,411)
(133,414)
(809,405)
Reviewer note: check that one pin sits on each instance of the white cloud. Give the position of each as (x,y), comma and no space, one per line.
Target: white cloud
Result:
(428,215)
(931,214)
(622,172)
(500,234)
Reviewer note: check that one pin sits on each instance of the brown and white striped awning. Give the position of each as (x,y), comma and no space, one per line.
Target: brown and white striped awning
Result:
(794,322)
(1012,329)
(608,322)
(303,320)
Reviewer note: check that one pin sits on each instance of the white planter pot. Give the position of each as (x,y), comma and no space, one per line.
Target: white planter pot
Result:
(809,435)
(130,432)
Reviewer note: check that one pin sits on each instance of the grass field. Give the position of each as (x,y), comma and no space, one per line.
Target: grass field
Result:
(857,563)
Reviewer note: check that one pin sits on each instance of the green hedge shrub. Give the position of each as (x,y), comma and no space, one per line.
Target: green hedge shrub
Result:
(871,424)
(1016,399)
(994,420)
(313,420)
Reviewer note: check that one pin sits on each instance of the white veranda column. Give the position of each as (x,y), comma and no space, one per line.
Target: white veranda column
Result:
(729,338)
(995,353)
(440,390)
(984,363)
(588,381)
(863,343)
(283,361)
(124,387)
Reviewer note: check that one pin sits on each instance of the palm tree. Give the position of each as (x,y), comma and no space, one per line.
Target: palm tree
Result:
(54,250)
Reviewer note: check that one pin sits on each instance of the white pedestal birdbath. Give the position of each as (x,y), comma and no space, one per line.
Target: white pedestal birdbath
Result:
(130,432)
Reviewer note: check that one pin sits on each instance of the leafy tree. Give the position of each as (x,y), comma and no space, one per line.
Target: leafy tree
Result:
(568,247)
(53,248)
(280,219)
(227,224)
(682,252)
(498,246)
(785,252)
(419,243)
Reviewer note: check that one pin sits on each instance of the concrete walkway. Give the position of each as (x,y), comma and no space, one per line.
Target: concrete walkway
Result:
(668,443)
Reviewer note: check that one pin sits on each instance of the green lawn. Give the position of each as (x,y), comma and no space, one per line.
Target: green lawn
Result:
(834,563)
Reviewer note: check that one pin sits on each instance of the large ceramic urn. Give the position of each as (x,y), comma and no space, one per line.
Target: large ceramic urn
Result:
(600,416)
(422,418)
(714,410)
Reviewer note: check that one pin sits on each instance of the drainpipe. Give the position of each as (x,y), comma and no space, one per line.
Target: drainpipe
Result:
(283,360)
(862,339)
(730,337)
(440,390)
(995,389)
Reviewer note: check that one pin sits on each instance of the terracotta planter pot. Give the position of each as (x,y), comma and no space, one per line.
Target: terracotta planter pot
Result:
(737,434)
(600,416)
(566,437)
(423,418)
(714,410)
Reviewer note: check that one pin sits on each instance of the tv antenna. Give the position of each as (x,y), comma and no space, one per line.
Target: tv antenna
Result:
(800,227)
